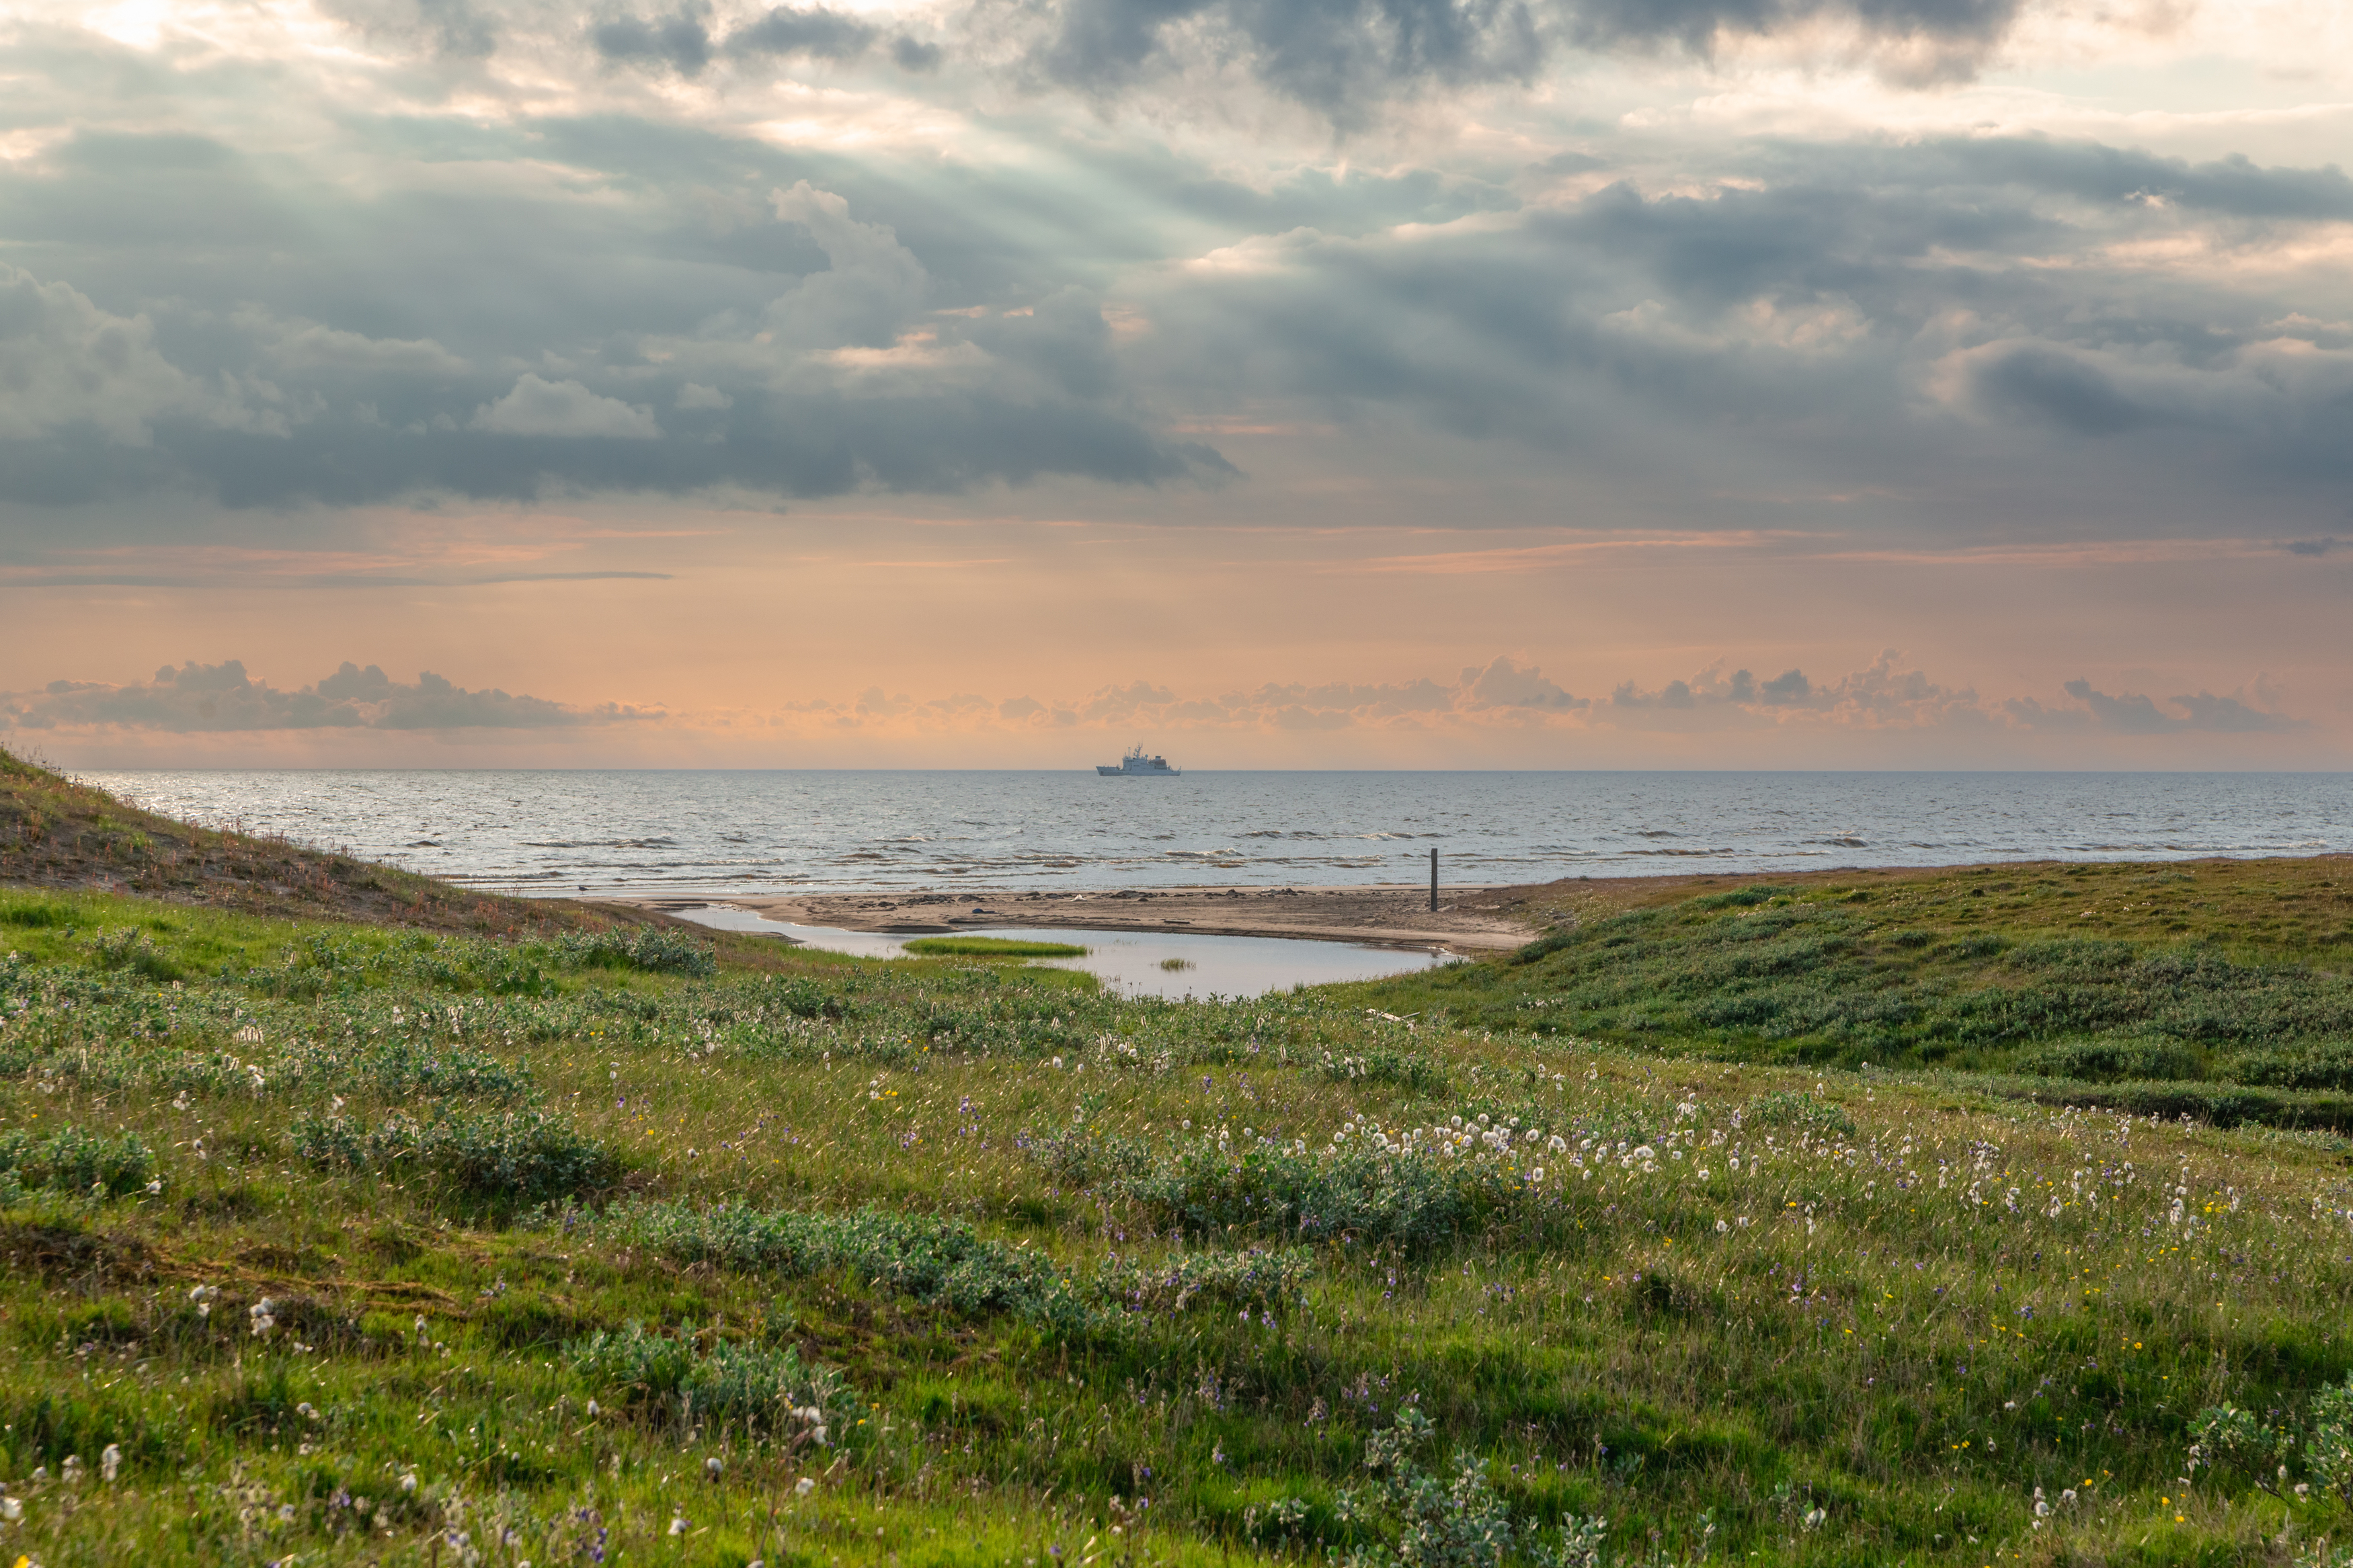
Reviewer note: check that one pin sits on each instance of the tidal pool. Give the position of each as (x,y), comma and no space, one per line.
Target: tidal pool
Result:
(1131,963)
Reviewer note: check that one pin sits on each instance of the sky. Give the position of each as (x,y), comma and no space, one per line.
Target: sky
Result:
(1531,383)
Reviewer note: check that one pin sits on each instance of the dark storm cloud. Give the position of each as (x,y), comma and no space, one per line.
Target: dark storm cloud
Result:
(1862,316)
(1344,56)
(678,310)
(199,698)
(683,41)
(450,30)
(2034,382)
(758,384)
(680,40)
(780,443)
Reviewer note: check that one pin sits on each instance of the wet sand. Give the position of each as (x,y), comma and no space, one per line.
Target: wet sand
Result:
(1468,919)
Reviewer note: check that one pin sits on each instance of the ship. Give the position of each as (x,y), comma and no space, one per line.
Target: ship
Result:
(1136,765)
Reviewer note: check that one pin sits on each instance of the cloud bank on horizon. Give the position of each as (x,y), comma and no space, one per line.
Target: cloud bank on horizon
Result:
(1925,274)
(225,700)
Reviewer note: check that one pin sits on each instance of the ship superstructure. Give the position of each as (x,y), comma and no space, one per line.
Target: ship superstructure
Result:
(1137,764)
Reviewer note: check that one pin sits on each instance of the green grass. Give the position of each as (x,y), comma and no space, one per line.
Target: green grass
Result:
(346,1245)
(991,947)
(1042,1252)
(1985,970)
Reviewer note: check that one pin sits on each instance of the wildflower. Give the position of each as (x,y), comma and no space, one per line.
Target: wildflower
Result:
(678,1525)
(408,1483)
(202,1296)
(263,1315)
(11,1510)
(803,1487)
(70,1471)
(711,1468)
(592,1410)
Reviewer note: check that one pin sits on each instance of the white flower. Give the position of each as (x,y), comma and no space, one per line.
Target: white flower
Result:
(712,1467)
(803,1487)
(408,1482)
(110,1463)
(1536,1175)
(70,1471)
(592,1410)
(11,1509)
(678,1525)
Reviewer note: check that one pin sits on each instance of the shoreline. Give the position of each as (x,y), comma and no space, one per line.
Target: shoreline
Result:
(1475,918)
(1472,918)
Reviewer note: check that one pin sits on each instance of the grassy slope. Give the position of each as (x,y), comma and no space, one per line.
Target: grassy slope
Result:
(55,832)
(2215,972)
(1921,1302)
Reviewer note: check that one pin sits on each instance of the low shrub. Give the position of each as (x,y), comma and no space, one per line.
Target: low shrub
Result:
(2267,1449)
(2107,1058)
(938,1262)
(805,998)
(2218,1104)
(1423,1520)
(2320,1064)
(1414,1196)
(132,949)
(1254,1277)
(686,1380)
(1413,1071)
(662,950)
(1800,1111)
(519,1154)
(75,1161)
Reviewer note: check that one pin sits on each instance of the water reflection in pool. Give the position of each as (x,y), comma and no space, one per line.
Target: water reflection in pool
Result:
(1132,962)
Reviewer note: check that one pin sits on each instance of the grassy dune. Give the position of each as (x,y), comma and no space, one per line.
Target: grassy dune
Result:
(335,1243)
(2222,988)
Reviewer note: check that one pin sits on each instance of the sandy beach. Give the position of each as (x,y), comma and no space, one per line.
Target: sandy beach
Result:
(1467,920)
(1470,919)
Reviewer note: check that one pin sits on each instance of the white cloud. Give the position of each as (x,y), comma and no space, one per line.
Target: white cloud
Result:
(565,408)
(64,362)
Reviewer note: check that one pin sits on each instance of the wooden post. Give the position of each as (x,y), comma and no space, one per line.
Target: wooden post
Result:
(1433,879)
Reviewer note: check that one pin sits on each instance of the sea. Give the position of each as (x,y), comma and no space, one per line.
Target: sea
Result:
(687,834)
